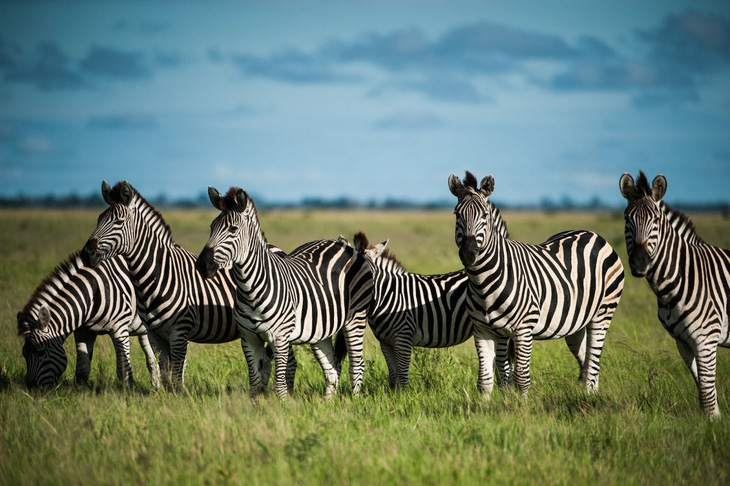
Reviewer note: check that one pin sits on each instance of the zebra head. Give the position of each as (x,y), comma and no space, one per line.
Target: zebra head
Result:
(229,231)
(115,229)
(45,358)
(474,221)
(643,217)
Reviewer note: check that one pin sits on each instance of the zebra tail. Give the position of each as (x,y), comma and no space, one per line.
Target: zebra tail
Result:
(511,351)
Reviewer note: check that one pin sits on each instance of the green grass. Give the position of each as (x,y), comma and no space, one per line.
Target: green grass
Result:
(644,426)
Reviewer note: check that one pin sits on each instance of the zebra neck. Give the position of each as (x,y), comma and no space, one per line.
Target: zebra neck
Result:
(150,266)
(151,224)
(667,270)
(492,267)
(256,272)
(68,311)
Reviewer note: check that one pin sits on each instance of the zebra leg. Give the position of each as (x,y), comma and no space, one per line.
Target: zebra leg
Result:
(281,358)
(577,344)
(403,348)
(291,370)
(706,369)
(120,339)
(504,366)
(325,354)
(178,359)
(85,339)
(484,342)
(354,332)
(258,361)
(149,354)
(523,353)
(685,350)
(163,346)
(594,347)
(389,355)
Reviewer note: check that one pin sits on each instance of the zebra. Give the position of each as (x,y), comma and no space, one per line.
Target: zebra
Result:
(569,286)
(304,297)
(410,310)
(689,277)
(176,304)
(86,302)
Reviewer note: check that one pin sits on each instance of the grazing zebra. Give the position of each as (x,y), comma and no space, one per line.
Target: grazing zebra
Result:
(176,304)
(689,277)
(304,297)
(410,310)
(569,286)
(87,302)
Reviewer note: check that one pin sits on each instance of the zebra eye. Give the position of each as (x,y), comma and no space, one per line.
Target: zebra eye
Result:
(233,229)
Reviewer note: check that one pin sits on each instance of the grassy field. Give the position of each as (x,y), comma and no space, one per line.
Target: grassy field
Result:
(643,427)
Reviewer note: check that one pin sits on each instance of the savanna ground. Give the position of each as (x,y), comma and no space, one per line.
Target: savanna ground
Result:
(644,426)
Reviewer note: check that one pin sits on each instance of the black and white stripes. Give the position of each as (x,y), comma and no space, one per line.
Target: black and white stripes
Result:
(87,302)
(410,309)
(176,304)
(567,287)
(304,297)
(690,278)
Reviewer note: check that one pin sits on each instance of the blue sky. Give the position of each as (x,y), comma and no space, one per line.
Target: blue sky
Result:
(368,100)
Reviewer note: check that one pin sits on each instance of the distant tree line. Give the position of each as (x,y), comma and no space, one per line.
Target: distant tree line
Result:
(339,203)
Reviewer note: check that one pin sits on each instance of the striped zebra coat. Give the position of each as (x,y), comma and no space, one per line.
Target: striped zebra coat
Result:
(410,310)
(174,301)
(307,296)
(86,302)
(567,287)
(690,278)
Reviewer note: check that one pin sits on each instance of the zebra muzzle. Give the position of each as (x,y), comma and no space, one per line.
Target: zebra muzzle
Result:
(205,263)
(639,261)
(90,254)
(468,251)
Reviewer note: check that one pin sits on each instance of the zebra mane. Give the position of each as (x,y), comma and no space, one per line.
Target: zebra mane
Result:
(470,180)
(390,256)
(681,223)
(231,202)
(642,185)
(500,226)
(155,218)
(50,285)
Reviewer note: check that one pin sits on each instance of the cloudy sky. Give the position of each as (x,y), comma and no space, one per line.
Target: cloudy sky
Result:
(368,100)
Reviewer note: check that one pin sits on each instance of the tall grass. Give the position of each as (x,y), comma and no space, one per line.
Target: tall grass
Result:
(644,425)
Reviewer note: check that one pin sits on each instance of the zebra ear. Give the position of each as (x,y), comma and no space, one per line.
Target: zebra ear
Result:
(242,200)
(215,197)
(487,185)
(343,240)
(126,193)
(627,186)
(360,242)
(659,187)
(106,190)
(44,317)
(456,187)
(380,248)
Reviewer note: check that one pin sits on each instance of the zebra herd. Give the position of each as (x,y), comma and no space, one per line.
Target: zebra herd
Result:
(131,279)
